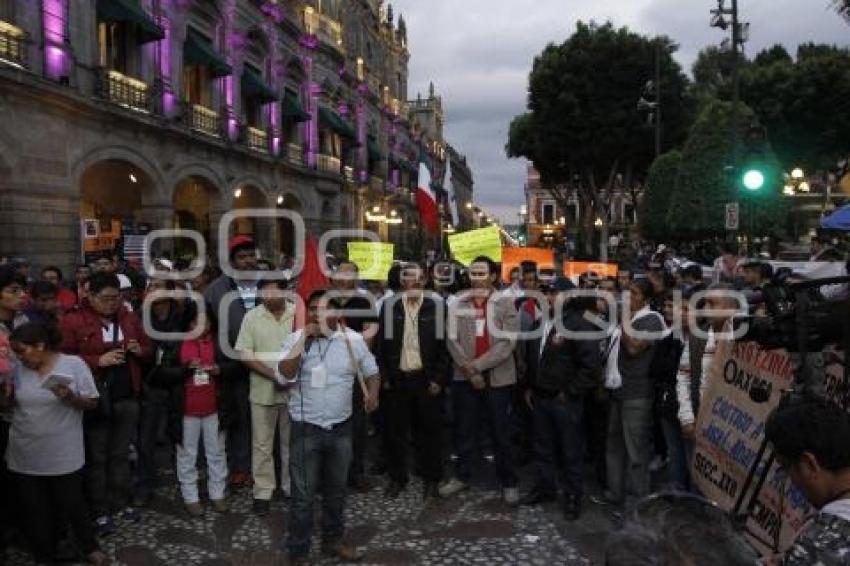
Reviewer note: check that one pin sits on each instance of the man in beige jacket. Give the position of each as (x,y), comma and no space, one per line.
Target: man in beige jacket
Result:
(482,331)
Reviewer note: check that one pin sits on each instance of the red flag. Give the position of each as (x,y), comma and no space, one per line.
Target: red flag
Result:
(426,202)
(310,279)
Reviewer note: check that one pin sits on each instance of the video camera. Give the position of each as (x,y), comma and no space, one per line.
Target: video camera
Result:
(799,317)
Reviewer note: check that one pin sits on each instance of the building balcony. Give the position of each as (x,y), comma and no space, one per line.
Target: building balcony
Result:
(13,45)
(295,154)
(328,164)
(204,120)
(256,139)
(327,30)
(122,90)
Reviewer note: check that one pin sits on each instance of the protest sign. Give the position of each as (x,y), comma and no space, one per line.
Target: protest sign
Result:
(466,246)
(373,259)
(573,269)
(730,432)
(512,257)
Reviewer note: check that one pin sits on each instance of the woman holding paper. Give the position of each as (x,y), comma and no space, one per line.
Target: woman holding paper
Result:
(45,454)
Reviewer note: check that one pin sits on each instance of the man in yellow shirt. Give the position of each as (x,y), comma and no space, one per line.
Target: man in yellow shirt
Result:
(263,332)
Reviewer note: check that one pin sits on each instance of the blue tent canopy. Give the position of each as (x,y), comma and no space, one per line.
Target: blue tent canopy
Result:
(838,220)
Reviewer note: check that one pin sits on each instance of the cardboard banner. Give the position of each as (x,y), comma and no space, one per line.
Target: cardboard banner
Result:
(466,246)
(373,259)
(729,434)
(573,269)
(512,257)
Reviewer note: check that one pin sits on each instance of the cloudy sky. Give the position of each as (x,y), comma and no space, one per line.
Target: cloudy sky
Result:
(479,53)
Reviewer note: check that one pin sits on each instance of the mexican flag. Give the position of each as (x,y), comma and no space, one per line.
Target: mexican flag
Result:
(426,201)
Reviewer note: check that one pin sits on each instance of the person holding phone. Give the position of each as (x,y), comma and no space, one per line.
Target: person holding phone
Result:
(110,339)
(46,453)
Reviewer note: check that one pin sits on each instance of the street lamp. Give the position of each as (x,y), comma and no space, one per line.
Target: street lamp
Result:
(598,222)
(796,183)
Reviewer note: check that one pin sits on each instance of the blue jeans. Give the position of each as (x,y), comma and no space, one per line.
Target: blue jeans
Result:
(677,467)
(318,461)
(496,404)
(629,445)
(558,431)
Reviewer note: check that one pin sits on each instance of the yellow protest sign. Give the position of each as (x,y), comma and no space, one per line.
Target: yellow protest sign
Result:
(373,259)
(466,246)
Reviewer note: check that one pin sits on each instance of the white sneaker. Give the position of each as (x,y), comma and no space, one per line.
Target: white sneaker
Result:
(452,487)
(511,495)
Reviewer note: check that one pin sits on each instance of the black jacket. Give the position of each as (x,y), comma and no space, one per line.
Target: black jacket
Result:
(569,365)
(170,375)
(432,348)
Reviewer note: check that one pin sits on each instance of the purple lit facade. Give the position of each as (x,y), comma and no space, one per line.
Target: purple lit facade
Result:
(56,49)
(169,98)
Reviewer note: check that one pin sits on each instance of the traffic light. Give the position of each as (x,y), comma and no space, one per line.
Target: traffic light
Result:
(753,167)
(753,179)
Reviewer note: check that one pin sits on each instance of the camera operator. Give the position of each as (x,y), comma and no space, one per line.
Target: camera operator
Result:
(757,274)
(809,438)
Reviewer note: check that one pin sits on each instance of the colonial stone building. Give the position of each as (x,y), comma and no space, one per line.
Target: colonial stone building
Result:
(551,222)
(460,202)
(122,116)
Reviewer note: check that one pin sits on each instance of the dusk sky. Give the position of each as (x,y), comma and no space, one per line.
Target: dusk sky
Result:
(479,53)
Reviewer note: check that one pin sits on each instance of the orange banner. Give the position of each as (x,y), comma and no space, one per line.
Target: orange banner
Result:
(576,268)
(512,257)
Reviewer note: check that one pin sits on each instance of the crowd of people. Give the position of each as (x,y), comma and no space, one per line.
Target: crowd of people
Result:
(284,396)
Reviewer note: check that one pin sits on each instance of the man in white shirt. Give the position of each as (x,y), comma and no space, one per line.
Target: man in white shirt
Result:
(321,364)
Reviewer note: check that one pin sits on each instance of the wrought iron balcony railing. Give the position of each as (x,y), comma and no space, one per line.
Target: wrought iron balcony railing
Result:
(13,45)
(329,164)
(123,90)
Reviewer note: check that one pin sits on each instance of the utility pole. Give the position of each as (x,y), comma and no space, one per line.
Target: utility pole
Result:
(658,43)
(740,31)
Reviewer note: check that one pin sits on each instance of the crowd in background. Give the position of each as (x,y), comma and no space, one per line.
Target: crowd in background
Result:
(287,411)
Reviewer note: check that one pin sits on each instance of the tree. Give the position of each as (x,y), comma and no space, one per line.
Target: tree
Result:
(660,184)
(520,137)
(583,132)
(843,7)
(712,73)
(803,104)
(708,176)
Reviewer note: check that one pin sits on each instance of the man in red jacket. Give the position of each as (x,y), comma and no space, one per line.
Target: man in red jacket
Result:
(112,342)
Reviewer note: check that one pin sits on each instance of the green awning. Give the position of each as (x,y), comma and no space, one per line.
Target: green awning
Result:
(253,86)
(130,11)
(375,153)
(199,51)
(332,121)
(292,108)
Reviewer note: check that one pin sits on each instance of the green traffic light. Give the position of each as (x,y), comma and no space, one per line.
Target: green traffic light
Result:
(753,180)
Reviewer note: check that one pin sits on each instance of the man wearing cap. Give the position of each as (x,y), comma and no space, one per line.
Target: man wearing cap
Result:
(231,310)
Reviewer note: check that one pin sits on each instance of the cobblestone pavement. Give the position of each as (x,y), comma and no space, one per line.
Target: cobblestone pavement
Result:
(474,527)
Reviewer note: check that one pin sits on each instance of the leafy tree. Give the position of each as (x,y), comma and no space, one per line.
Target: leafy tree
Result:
(803,104)
(708,176)
(712,73)
(583,132)
(843,7)
(660,184)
